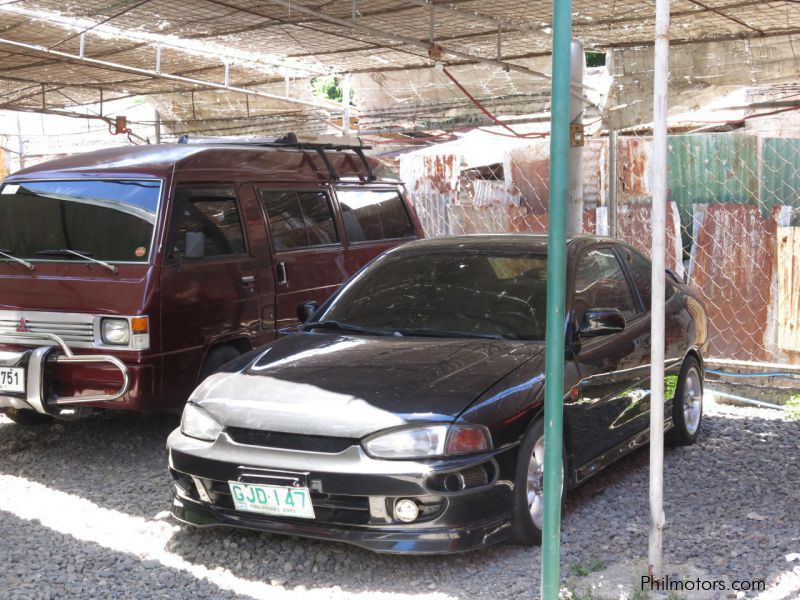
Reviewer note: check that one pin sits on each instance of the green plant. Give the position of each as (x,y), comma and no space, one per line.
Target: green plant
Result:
(595,59)
(792,407)
(328,87)
(675,596)
(596,564)
(578,570)
(639,594)
(581,570)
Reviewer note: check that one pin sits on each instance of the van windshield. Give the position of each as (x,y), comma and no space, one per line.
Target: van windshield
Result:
(105,220)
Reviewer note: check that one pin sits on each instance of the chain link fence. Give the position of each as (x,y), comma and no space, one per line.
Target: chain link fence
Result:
(733,220)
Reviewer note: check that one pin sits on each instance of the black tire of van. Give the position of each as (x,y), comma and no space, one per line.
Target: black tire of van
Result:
(216,358)
(26,417)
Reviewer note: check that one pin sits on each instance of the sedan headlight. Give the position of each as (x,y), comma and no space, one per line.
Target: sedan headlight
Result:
(428,441)
(198,424)
(115,331)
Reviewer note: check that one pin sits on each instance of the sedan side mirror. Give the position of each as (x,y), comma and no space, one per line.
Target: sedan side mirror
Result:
(306,310)
(601,321)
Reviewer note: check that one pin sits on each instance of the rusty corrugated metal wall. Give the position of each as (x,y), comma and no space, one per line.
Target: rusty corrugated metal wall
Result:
(731,198)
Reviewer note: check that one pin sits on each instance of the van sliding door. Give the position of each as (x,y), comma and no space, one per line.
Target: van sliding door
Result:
(307,251)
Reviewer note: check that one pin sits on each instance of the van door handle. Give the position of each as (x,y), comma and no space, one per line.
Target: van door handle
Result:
(283,279)
(248,280)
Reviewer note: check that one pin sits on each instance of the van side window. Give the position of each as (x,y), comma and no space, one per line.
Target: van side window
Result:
(374,215)
(299,219)
(206,222)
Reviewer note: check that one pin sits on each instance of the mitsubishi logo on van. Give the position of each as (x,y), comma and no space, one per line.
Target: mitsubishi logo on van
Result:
(22,326)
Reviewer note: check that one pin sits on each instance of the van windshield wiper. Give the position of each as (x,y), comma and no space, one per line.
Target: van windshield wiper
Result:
(7,254)
(446,333)
(83,255)
(346,327)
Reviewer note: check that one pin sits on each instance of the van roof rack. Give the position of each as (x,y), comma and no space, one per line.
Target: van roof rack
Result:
(290,141)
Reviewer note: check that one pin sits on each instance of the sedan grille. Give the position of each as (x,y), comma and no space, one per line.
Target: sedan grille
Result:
(290,441)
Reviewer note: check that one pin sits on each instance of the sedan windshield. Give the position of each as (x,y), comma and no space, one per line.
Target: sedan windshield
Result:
(60,220)
(446,294)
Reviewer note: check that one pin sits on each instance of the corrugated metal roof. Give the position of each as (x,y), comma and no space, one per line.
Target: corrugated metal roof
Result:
(384,43)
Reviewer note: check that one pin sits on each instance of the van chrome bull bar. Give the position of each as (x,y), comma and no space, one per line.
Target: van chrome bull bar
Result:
(35,380)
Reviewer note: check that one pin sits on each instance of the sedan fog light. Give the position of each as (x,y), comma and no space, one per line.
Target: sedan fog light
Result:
(406,510)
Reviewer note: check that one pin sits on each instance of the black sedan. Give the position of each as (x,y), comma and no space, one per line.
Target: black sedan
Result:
(406,415)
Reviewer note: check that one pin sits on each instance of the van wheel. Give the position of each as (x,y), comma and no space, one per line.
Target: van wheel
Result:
(23,416)
(216,359)
(527,510)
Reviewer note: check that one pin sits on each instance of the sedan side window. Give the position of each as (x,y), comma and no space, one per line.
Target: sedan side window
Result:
(640,268)
(299,219)
(601,283)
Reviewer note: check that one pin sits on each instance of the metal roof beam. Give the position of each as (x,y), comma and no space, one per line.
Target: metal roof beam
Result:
(403,40)
(154,74)
(83,26)
(509,25)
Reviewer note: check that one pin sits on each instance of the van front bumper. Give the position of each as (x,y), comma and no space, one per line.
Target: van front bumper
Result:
(353,495)
(40,392)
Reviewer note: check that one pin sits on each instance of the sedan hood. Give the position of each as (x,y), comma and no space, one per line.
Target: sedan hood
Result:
(347,386)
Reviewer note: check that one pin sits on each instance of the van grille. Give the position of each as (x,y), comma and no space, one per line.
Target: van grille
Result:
(74,328)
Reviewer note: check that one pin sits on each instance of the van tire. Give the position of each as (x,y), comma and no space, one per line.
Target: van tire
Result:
(216,358)
(23,416)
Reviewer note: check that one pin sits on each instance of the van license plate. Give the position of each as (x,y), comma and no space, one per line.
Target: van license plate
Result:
(276,500)
(12,379)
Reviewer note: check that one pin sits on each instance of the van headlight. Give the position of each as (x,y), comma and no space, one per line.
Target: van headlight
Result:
(428,441)
(197,423)
(115,331)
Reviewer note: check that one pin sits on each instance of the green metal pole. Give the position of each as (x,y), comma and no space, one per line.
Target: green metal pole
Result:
(556,282)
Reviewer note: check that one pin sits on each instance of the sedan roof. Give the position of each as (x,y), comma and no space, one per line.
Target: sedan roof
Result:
(494,241)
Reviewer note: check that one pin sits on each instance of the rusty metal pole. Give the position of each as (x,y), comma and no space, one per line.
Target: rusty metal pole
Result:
(658,257)
(575,198)
(611,205)
(346,105)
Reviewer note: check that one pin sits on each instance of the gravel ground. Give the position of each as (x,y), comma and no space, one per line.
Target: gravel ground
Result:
(83,515)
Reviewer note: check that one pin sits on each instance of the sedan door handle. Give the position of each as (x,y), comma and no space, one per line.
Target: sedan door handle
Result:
(283,278)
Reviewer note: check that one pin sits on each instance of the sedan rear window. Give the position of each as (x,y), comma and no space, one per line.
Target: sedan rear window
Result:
(478,294)
(108,220)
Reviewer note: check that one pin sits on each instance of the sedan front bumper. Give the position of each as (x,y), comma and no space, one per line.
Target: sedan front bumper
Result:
(353,494)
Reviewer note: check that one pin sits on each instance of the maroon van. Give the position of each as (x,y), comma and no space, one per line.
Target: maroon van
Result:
(128,275)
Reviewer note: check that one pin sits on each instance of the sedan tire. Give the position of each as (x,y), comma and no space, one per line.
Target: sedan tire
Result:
(528,513)
(687,405)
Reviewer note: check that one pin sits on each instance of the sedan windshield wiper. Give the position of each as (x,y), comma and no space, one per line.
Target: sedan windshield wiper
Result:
(428,332)
(7,253)
(346,327)
(83,255)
